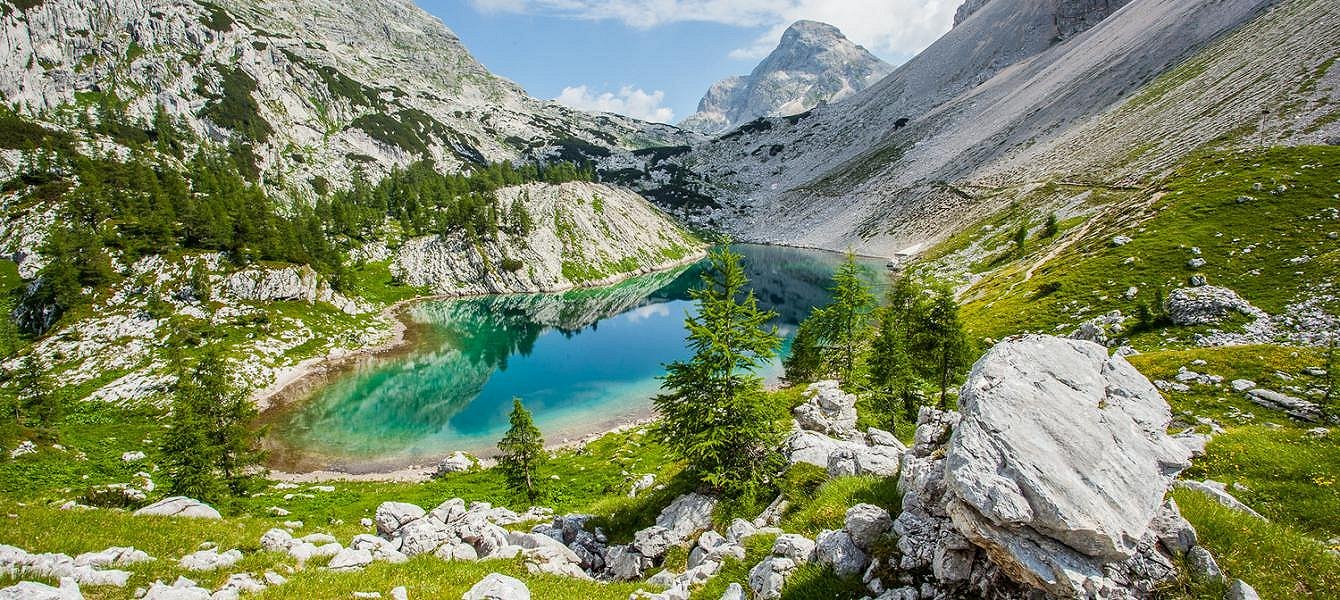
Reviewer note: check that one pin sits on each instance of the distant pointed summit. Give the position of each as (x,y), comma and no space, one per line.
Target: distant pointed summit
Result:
(814,63)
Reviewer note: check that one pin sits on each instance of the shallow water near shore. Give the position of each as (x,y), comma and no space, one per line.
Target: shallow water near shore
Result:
(582,361)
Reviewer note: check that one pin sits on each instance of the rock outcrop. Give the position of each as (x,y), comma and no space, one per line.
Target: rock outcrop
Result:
(584,234)
(315,89)
(813,64)
(1206,305)
(825,435)
(1052,479)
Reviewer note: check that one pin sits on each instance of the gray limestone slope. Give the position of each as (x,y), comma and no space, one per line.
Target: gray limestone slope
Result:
(314,87)
(998,35)
(1016,93)
(814,63)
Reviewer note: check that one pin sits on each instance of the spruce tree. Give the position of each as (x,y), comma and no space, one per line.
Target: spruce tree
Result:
(1021,239)
(714,412)
(210,448)
(946,342)
(522,452)
(37,401)
(892,366)
(1052,227)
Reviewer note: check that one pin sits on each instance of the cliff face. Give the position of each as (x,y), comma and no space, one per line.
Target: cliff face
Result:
(313,87)
(585,234)
(814,63)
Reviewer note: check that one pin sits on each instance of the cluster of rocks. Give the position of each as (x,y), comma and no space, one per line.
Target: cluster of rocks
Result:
(824,434)
(451,531)
(1297,408)
(92,568)
(1104,329)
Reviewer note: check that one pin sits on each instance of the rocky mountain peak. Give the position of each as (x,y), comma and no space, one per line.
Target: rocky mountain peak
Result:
(813,63)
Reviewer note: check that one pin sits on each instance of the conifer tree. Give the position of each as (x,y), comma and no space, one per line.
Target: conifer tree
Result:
(210,449)
(1052,227)
(1021,239)
(37,400)
(847,319)
(892,366)
(831,340)
(946,344)
(522,452)
(714,413)
(805,361)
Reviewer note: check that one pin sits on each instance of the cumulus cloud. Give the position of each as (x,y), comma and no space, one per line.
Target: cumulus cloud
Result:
(893,28)
(630,101)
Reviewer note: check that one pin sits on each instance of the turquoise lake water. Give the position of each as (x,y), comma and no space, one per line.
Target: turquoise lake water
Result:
(581,361)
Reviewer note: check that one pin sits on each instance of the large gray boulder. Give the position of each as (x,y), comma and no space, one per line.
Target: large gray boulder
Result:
(866,523)
(768,577)
(687,515)
(1060,463)
(180,506)
(497,586)
(391,516)
(836,549)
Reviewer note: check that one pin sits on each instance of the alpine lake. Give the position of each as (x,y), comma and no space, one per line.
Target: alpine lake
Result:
(582,361)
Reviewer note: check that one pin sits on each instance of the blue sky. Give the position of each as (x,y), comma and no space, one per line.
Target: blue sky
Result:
(653,59)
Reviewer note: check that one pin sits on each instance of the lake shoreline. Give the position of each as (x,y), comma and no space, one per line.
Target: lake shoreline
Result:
(294,376)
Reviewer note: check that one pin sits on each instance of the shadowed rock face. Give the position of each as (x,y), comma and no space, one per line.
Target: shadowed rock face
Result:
(814,63)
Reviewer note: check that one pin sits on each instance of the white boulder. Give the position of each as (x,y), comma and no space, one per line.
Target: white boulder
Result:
(1061,460)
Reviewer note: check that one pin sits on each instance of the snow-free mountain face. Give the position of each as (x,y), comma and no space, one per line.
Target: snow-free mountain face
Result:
(814,63)
(1021,93)
(313,87)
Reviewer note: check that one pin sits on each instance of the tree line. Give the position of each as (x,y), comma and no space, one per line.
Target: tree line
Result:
(175,192)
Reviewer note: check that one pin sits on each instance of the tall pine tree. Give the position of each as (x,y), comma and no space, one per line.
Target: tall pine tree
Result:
(714,413)
(522,452)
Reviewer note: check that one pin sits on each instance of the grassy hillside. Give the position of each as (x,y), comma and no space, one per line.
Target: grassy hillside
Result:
(1265,222)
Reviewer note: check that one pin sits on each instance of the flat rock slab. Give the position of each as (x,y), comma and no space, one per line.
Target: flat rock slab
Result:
(180,506)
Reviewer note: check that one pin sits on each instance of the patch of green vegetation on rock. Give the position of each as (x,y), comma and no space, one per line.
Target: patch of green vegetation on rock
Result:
(217,18)
(236,108)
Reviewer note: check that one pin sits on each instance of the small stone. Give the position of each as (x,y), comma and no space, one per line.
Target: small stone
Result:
(497,586)
(1202,565)
(1241,591)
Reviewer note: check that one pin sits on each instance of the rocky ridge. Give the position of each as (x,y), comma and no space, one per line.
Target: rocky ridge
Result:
(312,88)
(813,64)
(586,234)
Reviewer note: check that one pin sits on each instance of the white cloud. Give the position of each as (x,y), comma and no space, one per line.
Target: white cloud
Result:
(630,101)
(896,29)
